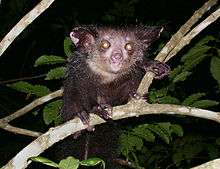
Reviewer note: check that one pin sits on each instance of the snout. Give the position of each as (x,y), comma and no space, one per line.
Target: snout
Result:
(116,58)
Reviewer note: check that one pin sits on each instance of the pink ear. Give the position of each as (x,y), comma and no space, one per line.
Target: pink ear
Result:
(83,36)
(74,38)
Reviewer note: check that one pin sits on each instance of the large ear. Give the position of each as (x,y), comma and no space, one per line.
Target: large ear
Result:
(83,36)
(148,34)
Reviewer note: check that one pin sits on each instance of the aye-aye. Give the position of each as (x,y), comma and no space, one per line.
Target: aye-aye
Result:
(106,68)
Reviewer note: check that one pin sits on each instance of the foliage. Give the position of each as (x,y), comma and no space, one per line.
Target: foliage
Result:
(70,162)
(199,52)
(215,67)
(51,112)
(140,146)
(134,141)
(48,60)
(145,145)
(56,73)
(153,145)
(25,87)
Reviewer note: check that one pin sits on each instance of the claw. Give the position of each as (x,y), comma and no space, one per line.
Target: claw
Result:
(159,69)
(135,96)
(103,110)
(84,117)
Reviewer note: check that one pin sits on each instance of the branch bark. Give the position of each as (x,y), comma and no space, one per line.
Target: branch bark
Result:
(23,23)
(214,164)
(132,109)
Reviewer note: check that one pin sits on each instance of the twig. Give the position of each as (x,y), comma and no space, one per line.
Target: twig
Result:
(134,108)
(31,106)
(4,122)
(176,38)
(186,39)
(21,131)
(23,23)
(22,78)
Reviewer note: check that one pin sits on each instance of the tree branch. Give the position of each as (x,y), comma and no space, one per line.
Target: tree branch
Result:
(132,109)
(214,164)
(22,78)
(176,38)
(17,130)
(178,41)
(4,122)
(187,39)
(23,23)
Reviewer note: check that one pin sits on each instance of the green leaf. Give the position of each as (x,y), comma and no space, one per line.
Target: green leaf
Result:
(191,150)
(192,98)
(51,112)
(175,72)
(163,134)
(205,103)
(56,73)
(49,60)
(218,51)
(182,76)
(162,92)
(21,86)
(213,151)
(215,68)
(144,133)
(69,163)
(168,100)
(28,88)
(68,45)
(166,126)
(92,162)
(155,94)
(45,161)
(177,129)
(130,143)
(194,53)
(218,141)
(198,57)
(198,49)
(40,90)
(177,157)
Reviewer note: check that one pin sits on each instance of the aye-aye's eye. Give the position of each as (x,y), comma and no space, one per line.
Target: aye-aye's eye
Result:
(105,44)
(128,46)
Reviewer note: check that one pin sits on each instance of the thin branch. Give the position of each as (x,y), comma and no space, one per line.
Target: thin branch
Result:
(31,106)
(132,109)
(21,131)
(4,122)
(175,45)
(23,23)
(176,38)
(187,39)
(22,78)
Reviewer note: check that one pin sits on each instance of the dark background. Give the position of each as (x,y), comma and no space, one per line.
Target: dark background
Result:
(46,34)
